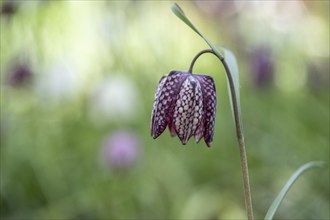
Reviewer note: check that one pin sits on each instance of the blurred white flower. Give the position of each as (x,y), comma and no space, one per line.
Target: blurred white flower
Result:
(60,83)
(114,99)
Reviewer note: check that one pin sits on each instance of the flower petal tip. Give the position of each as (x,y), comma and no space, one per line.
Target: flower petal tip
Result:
(208,144)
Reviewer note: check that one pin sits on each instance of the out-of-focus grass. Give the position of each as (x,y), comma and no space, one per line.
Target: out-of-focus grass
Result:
(51,141)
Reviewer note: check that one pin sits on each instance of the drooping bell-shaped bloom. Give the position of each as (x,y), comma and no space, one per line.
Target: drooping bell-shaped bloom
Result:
(186,103)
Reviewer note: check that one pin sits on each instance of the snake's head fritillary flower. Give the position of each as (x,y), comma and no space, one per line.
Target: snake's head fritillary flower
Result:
(186,103)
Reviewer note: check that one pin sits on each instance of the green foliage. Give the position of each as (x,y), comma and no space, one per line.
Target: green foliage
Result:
(233,66)
(279,198)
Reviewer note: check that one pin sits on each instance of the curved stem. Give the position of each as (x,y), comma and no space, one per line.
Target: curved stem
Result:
(239,132)
(197,56)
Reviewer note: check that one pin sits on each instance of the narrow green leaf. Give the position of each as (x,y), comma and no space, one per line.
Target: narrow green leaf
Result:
(180,14)
(276,203)
(233,66)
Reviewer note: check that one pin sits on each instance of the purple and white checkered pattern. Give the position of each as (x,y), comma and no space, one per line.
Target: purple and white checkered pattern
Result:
(186,103)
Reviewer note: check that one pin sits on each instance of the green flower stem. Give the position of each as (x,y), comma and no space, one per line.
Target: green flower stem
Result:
(239,132)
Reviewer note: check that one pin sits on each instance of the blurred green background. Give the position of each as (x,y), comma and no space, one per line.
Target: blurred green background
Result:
(77,86)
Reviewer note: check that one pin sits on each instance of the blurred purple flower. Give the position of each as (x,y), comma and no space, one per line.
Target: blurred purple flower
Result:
(220,9)
(121,150)
(8,8)
(262,66)
(19,75)
(187,104)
